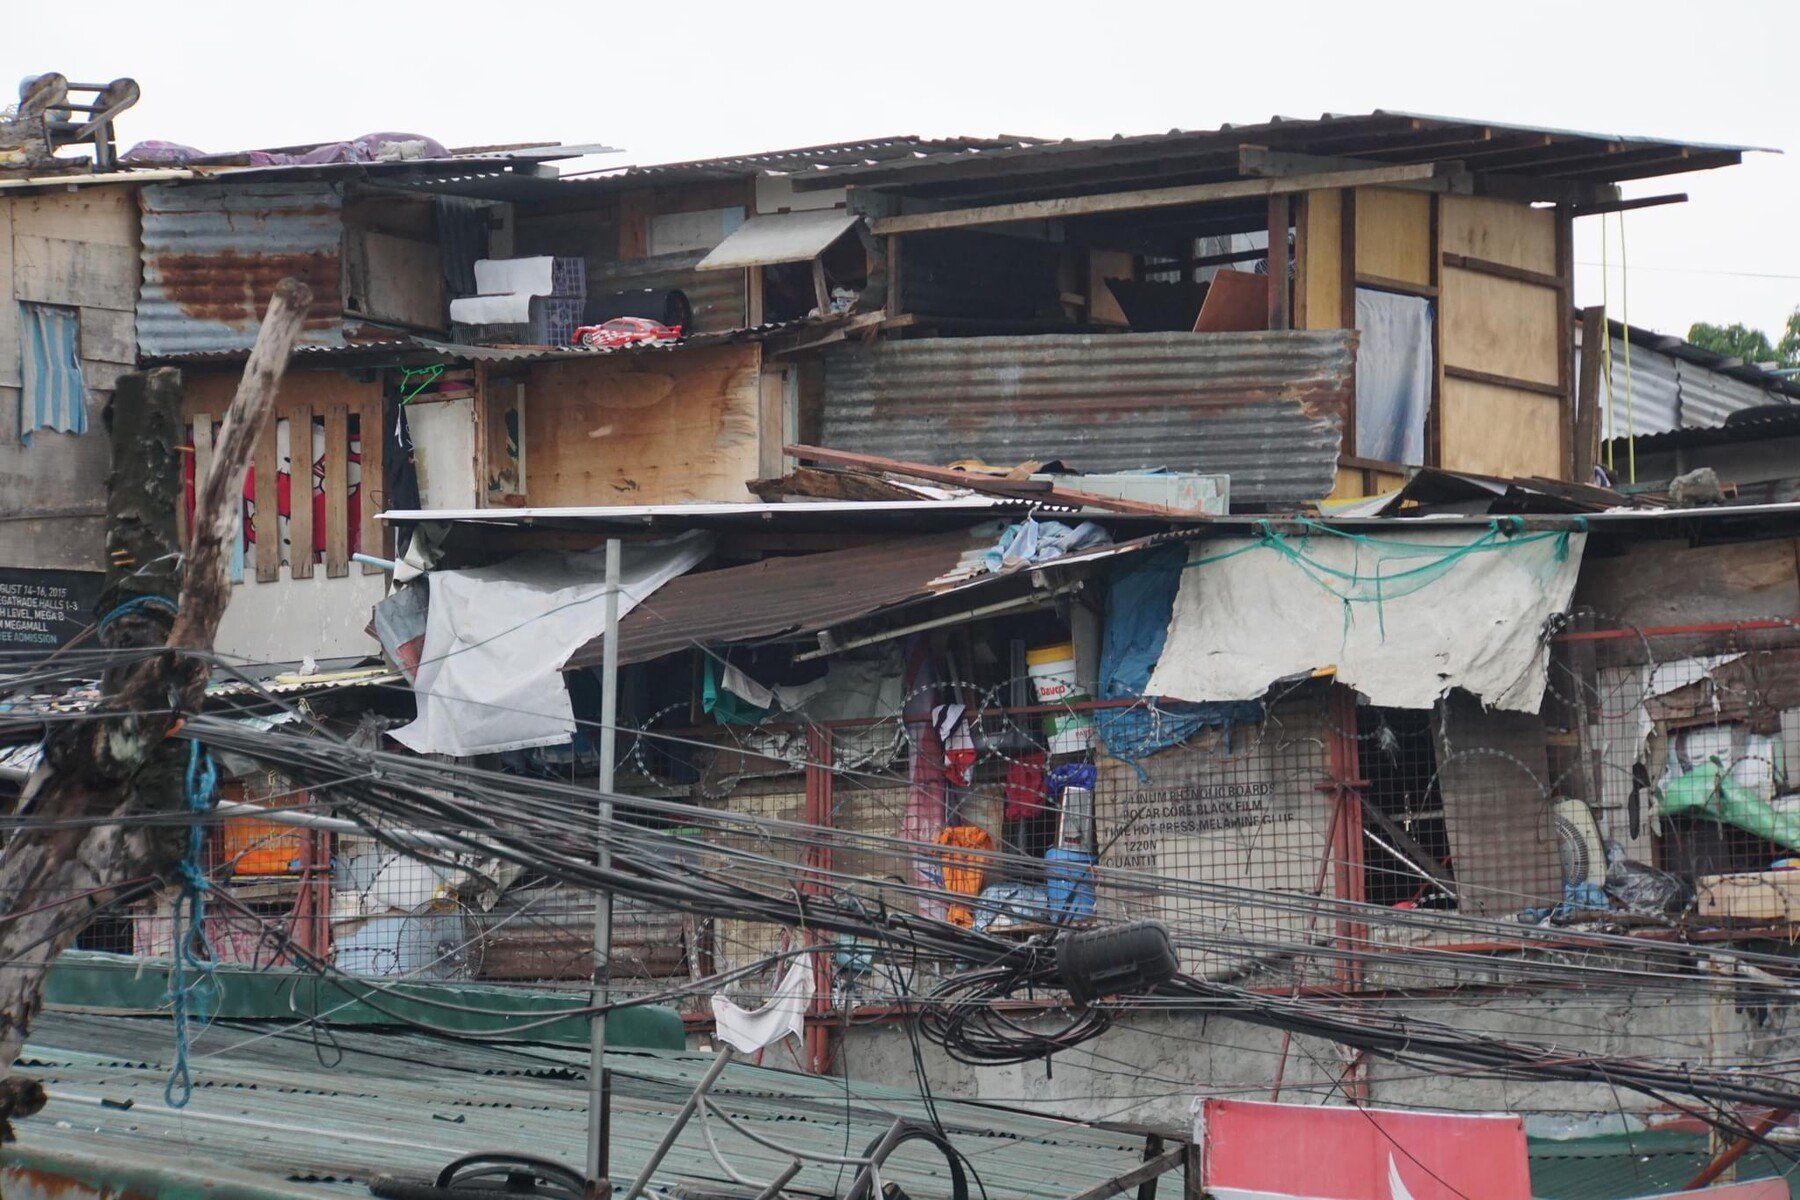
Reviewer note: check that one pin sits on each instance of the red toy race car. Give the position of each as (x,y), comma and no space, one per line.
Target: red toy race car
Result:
(626,331)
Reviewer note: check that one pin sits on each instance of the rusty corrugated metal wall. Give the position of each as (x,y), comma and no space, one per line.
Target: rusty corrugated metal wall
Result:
(213,254)
(1263,408)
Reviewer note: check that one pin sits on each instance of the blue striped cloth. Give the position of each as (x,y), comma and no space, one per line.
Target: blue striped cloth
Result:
(55,396)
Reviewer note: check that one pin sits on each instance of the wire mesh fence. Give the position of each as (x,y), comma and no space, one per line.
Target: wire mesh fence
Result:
(1285,843)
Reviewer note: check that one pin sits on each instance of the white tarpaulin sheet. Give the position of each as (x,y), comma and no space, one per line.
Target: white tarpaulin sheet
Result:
(1402,618)
(496,639)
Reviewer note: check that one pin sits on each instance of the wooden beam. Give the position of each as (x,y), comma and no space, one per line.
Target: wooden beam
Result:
(1162,1164)
(300,491)
(1595,210)
(1587,403)
(1500,270)
(1170,197)
(267,517)
(821,290)
(1404,287)
(1564,285)
(1527,190)
(1035,489)
(1279,217)
(1505,381)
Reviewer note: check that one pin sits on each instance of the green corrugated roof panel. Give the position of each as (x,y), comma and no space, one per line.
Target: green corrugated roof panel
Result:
(86,981)
(331,1111)
(1619,1166)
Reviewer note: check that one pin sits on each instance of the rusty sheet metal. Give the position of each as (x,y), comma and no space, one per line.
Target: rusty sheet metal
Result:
(1264,408)
(213,254)
(782,595)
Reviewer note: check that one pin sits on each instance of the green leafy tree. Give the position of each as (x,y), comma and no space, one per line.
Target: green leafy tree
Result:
(1787,350)
(1735,340)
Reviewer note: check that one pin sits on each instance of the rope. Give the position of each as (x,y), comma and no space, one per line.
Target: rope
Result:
(1360,586)
(192,983)
(136,605)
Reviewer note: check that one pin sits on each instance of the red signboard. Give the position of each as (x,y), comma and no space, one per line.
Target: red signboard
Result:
(1249,1151)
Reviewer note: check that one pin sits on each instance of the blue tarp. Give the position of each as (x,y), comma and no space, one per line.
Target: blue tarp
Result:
(1139,601)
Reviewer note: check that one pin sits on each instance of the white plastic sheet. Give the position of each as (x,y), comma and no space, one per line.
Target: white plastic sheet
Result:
(1393,376)
(1242,621)
(496,638)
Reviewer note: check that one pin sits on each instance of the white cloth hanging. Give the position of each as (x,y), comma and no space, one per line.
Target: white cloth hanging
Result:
(750,1030)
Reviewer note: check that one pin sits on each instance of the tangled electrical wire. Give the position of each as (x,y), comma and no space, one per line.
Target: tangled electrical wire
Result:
(963,1014)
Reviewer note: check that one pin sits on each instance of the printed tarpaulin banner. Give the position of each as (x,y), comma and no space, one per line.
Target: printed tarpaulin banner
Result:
(1251,1151)
(1401,617)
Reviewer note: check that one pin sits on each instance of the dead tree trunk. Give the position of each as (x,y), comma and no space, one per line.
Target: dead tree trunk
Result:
(81,846)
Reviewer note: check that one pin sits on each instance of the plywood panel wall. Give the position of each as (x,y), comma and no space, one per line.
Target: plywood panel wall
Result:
(1393,234)
(1319,299)
(644,428)
(1493,430)
(1502,231)
(1500,326)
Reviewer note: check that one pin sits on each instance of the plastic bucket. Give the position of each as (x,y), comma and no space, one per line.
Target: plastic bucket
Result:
(1052,671)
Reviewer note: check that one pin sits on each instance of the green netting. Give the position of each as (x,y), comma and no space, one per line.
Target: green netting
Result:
(1393,567)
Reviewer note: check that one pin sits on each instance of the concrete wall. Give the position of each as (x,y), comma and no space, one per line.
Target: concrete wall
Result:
(76,248)
(1148,1069)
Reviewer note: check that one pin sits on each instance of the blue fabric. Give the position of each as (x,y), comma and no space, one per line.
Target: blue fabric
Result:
(55,396)
(1139,602)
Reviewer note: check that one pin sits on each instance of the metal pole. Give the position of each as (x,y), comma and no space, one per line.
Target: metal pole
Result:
(597,1164)
(719,1063)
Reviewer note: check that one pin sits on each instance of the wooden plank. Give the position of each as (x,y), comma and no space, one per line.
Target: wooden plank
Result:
(9,312)
(1236,302)
(1484,266)
(1319,258)
(58,271)
(1505,381)
(109,335)
(645,429)
(634,224)
(267,515)
(1162,1164)
(771,420)
(1494,430)
(1393,234)
(896,267)
(1613,206)
(1102,306)
(300,491)
(1170,197)
(373,488)
(987,484)
(1279,219)
(337,490)
(1499,231)
(106,216)
(1587,399)
(1434,411)
(753,297)
(1564,283)
(1382,283)
(1725,582)
(1501,327)
(821,290)
(404,280)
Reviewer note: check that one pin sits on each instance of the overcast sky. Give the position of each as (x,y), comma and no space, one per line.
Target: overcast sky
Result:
(691,78)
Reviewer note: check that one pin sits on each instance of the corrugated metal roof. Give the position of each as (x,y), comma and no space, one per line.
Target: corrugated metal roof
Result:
(798,159)
(779,238)
(1382,134)
(782,595)
(812,592)
(213,254)
(902,516)
(408,1104)
(1264,408)
(1675,385)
